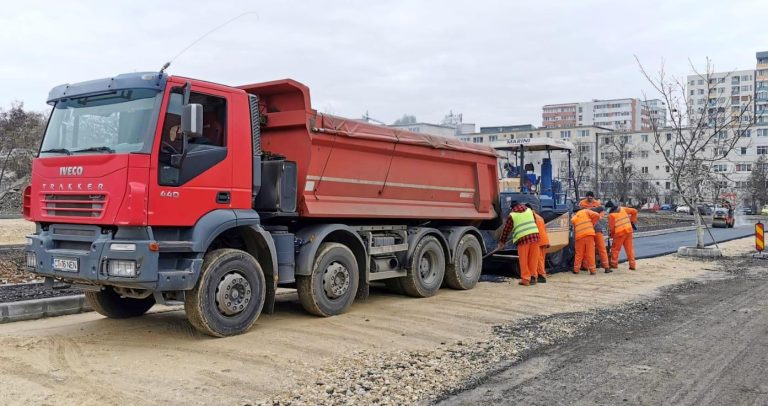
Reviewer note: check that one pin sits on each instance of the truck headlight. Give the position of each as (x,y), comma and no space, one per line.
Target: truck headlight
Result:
(29,241)
(121,267)
(116,246)
(31,260)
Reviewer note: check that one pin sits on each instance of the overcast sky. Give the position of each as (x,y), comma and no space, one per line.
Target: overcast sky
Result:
(497,62)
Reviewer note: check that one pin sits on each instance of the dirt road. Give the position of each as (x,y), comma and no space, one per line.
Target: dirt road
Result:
(390,349)
(699,344)
(14,231)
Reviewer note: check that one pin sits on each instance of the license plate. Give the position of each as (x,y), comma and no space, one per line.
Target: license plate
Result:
(65,264)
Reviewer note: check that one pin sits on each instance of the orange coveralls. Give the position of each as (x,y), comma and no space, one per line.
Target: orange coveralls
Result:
(584,232)
(599,235)
(620,228)
(543,245)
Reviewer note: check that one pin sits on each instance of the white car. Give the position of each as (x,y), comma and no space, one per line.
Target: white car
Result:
(683,209)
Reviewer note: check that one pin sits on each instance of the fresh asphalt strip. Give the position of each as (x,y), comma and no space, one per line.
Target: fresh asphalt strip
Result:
(63,305)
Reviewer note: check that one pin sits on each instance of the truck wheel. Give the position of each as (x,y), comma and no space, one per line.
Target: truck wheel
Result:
(108,303)
(426,269)
(465,271)
(229,295)
(331,288)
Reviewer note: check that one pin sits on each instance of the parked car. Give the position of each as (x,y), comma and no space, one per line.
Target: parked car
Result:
(723,218)
(705,210)
(683,209)
(668,207)
(651,207)
(764,211)
(744,210)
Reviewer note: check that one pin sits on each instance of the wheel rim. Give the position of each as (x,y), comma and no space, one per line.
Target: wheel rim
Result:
(427,268)
(468,261)
(233,294)
(335,280)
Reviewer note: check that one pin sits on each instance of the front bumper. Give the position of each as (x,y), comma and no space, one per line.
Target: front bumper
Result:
(90,246)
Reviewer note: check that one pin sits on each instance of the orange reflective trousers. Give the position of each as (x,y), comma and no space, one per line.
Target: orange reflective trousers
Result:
(540,270)
(585,253)
(601,250)
(623,240)
(528,257)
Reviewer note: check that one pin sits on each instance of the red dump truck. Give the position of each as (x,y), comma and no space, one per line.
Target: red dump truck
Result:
(151,188)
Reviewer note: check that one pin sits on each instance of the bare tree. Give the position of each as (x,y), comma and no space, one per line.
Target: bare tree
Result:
(405,119)
(20,134)
(643,190)
(617,166)
(757,184)
(582,164)
(698,139)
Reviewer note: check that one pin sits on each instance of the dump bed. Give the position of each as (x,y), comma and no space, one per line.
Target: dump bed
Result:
(352,169)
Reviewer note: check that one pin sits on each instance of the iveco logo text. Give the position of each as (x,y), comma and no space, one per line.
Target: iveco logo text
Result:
(71,170)
(174,195)
(73,186)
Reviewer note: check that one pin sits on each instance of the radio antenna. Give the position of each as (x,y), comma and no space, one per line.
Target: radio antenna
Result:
(211,31)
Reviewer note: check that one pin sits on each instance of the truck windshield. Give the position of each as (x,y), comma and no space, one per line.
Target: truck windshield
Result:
(111,122)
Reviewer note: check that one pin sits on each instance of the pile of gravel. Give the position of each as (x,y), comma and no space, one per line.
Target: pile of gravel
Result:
(407,377)
(10,202)
(13,267)
(29,291)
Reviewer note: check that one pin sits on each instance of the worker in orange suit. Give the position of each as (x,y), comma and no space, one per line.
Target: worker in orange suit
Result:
(584,233)
(591,203)
(621,225)
(541,272)
(522,224)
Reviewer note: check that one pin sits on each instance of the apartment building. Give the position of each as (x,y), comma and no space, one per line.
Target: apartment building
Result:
(617,114)
(761,88)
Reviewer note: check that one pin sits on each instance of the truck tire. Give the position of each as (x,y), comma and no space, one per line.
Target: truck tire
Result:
(229,295)
(108,303)
(467,264)
(331,288)
(426,269)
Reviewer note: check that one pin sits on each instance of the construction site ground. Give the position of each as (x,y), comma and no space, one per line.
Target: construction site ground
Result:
(389,349)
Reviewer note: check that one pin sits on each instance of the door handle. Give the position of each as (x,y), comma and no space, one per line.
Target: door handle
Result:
(222,197)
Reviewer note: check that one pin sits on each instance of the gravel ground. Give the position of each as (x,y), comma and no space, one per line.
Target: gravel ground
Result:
(11,203)
(28,291)
(611,362)
(13,268)
(408,377)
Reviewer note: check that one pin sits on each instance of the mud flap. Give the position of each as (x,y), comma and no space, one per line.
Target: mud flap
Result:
(269,300)
(363,290)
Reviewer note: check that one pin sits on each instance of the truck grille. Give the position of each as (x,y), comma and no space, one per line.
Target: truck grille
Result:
(74,205)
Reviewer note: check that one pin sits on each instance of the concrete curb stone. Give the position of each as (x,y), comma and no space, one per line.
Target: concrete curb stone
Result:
(39,308)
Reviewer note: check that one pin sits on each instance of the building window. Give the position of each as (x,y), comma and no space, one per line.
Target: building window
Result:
(584,148)
(743,167)
(667,185)
(565,134)
(669,137)
(657,167)
(644,137)
(583,133)
(720,168)
(666,168)
(492,138)
(762,132)
(644,169)
(743,150)
(643,154)
(477,140)
(762,150)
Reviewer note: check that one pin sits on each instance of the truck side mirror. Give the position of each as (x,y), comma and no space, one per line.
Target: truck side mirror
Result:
(192,120)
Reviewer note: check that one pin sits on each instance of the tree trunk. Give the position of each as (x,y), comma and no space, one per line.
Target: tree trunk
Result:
(699,228)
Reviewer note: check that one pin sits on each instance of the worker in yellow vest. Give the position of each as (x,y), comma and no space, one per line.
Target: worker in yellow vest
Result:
(584,233)
(621,225)
(522,224)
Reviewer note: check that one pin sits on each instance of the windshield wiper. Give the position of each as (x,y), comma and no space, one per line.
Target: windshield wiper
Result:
(57,151)
(96,149)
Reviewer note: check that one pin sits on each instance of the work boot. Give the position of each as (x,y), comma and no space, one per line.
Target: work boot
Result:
(592,272)
(608,270)
(524,283)
(576,272)
(632,268)
(533,280)
(542,279)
